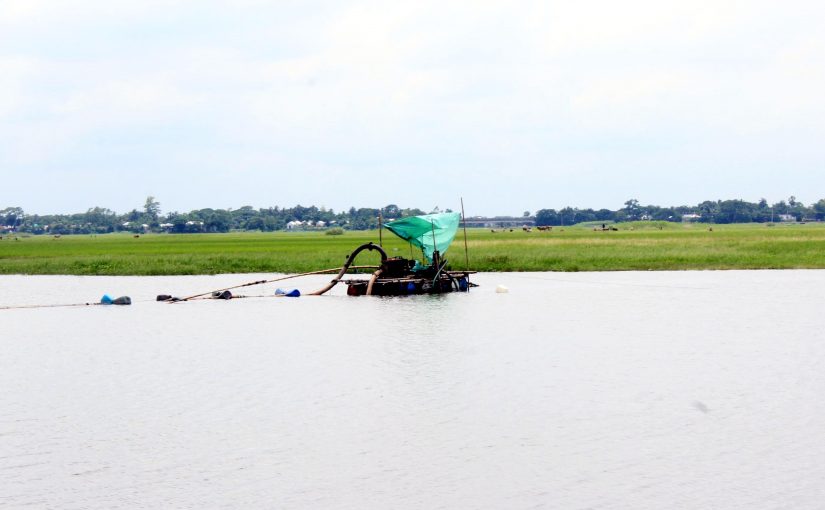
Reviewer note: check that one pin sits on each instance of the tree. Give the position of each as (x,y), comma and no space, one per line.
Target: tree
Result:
(708,210)
(631,207)
(411,212)
(819,209)
(734,211)
(178,224)
(152,207)
(547,217)
(526,214)
(569,216)
(797,208)
(11,217)
(100,219)
(214,220)
(392,211)
(364,219)
(256,223)
(780,207)
(604,215)
(241,218)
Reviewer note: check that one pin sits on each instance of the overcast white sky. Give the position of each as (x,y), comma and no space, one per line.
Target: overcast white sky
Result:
(513,105)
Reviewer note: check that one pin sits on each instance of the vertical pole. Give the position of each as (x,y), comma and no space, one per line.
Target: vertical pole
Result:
(464,222)
(435,250)
(380,229)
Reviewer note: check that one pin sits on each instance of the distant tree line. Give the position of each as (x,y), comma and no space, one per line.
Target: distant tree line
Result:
(98,220)
(720,211)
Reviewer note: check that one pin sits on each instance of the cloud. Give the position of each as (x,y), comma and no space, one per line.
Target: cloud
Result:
(467,93)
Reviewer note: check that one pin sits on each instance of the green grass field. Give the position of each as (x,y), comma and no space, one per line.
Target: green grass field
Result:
(636,246)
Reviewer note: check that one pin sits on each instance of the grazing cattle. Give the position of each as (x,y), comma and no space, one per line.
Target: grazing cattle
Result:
(527,229)
(493,230)
(136,236)
(545,229)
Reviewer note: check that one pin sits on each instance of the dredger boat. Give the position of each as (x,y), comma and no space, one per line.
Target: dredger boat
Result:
(432,234)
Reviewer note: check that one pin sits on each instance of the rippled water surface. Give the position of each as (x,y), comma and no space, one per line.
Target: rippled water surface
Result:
(600,390)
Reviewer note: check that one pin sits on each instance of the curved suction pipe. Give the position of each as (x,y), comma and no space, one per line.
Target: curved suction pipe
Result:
(350,259)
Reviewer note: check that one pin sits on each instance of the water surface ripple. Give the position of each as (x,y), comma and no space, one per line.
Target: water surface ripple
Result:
(593,390)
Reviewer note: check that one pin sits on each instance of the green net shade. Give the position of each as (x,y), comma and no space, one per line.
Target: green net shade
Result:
(429,232)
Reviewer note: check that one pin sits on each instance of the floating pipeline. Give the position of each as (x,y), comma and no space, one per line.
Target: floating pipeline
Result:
(122,300)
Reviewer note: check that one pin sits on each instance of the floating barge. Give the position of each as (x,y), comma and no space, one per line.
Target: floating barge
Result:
(398,276)
(432,234)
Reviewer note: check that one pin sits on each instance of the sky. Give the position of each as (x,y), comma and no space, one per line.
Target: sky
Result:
(514,106)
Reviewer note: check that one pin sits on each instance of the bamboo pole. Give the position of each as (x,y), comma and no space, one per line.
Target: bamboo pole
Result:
(380,229)
(259,282)
(464,223)
(436,255)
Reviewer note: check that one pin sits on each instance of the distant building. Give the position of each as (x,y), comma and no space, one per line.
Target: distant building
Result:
(691,217)
(786,217)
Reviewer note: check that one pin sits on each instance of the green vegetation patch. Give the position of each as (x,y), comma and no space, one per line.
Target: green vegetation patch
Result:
(635,246)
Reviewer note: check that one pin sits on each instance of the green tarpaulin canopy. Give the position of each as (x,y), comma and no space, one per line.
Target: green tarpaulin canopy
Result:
(429,232)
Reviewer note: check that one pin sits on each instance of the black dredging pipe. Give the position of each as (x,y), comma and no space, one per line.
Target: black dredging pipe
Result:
(375,276)
(350,259)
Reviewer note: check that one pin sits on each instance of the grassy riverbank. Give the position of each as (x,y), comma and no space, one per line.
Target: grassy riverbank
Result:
(639,246)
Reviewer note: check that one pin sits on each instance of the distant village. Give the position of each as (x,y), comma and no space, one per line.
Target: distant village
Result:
(150,218)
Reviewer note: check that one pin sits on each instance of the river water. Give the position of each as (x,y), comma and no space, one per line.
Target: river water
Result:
(590,390)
